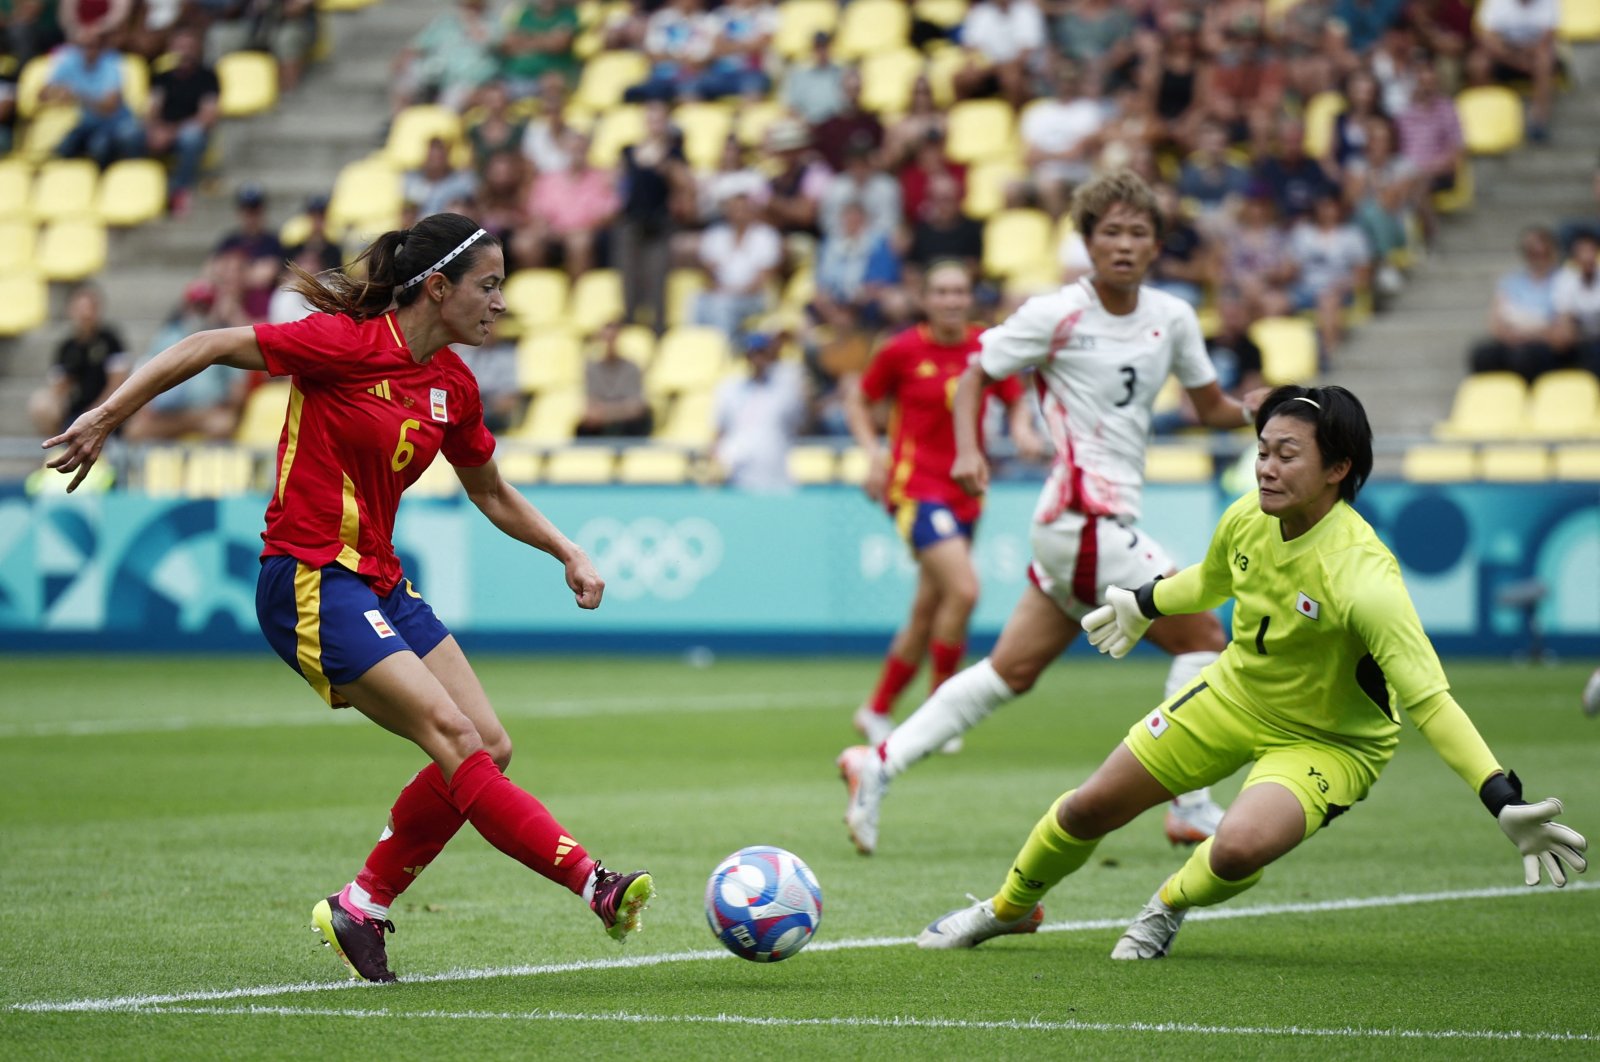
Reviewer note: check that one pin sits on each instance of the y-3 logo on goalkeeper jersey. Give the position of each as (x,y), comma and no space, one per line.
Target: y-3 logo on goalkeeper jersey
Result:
(1027,883)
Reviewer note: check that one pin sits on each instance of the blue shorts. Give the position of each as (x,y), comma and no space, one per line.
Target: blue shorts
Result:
(329,625)
(924,523)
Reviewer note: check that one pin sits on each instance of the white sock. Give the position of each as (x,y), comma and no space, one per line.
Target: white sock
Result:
(965,700)
(1194,799)
(588,886)
(362,899)
(1185,666)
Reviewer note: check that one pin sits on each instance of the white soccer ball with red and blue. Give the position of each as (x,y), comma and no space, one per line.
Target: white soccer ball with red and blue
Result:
(763,903)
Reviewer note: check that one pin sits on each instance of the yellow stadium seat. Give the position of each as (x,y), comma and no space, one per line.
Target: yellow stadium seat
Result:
(537,296)
(261,422)
(1487,405)
(1491,119)
(366,192)
(1579,21)
(581,464)
(295,231)
(17,239)
(248,83)
(946,13)
(16,188)
(606,77)
(217,472)
(1460,196)
(1178,464)
(1321,112)
(867,27)
(689,419)
(637,343)
(552,417)
(135,82)
(1577,463)
(413,128)
(1017,241)
(813,464)
(438,480)
(853,466)
(72,249)
(943,66)
(751,122)
(1563,404)
(24,302)
(616,129)
(887,79)
(799,21)
(683,287)
(131,192)
(596,300)
(800,289)
(652,464)
(31,79)
(45,131)
(688,358)
(981,129)
(1430,463)
(1514,464)
(549,360)
(706,126)
(1288,349)
(162,471)
(343,5)
(986,186)
(519,466)
(65,189)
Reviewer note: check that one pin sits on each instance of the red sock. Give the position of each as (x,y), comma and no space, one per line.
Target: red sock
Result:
(897,674)
(513,820)
(946,661)
(421,823)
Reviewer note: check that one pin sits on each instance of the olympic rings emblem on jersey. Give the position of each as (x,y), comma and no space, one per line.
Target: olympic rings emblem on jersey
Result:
(651,557)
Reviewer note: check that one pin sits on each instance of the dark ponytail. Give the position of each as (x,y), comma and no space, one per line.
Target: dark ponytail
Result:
(390,261)
(1343,431)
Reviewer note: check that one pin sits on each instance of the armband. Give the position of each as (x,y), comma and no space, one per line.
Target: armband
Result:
(1146,597)
(1500,791)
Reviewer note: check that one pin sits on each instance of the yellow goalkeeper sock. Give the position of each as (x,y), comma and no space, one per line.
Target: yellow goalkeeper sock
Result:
(1049,855)
(1197,885)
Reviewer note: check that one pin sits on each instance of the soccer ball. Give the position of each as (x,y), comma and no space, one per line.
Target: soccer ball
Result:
(763,903)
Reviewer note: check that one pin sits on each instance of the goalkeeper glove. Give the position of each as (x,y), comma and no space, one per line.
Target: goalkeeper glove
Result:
(1116,626)
(1543,843)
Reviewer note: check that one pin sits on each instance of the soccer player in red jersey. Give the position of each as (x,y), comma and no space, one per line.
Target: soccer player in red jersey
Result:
(376,394)
(910,381)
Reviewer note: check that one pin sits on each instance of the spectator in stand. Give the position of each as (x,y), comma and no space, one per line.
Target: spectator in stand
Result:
(1361,105)
(494,364)
(857,277)
(572,208)
(545,139)
(741,34)
(256,249)
(800,181)
(734,173)
(1444,28)
(1184,264)
(90,363)
(757,418)
(30,29)
(502,208)
(815,90)
(1005,42)
(1431,141)
(1519,39)
(205,405)
(495,130)
(10,67)
(286,303)
(1060,136)
(1381,188)
(319,246)
(1209,177)
(1523,325)
(614,402)
(1245,76)
(1255,258)
(1365,21)
(1577,304)
(942,233)
(288,29)
(1395,63)
(923,122)
(1099,35)
(437,184)
(849,128)
(741,254)
(1170,71)
(183,110)
(861,182)
(1295,179)
(88,75)
(1233,354)
(678,41)
(1334,265)
(928,164)
(105,17)
(536,39)
(448,61)
(657,192)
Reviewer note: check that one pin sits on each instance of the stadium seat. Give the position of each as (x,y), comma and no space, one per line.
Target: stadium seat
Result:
(552,417)
(887,79)
(652,464)
(344,5)
(981,129)
(1514,464)
(161,472)
(945,13)
(72,249)
(706,126)
(131,192)
(248,83)
(1564,404)
(1321,112)
(17,239)
(1178,464)
(1576,462)
(135,82)
(943,65)
(45,131)
(596,300)
(800,289)
(16,188)
(407,145)
(689,419)
(683,287)
(751,122)
(867,27)
(438,480)
(688,358)
(581,464)
(1017,241)
(637,343)
(24,303)
(1579,21)
(519,466)
(1460,197)
(616,129)
(537,296)
(261,422)
(366,193)
(986,186)
(1431,463)
(1487,405)
(1288,349)
(813,464)
(549,360)
(605,78)
(217,472)
(64,188)
(853,466)
(801,20)
(31,80)
(1491,119)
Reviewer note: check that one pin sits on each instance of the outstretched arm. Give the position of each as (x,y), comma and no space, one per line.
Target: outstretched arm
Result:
(508,510)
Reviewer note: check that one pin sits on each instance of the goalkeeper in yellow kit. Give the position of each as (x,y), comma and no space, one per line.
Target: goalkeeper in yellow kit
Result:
(1326,647)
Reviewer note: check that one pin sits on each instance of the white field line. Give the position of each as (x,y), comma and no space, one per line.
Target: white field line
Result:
(302,714)
(1352,1032)
(152,1002)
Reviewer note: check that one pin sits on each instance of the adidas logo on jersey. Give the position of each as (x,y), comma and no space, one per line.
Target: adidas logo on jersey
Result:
(381,389)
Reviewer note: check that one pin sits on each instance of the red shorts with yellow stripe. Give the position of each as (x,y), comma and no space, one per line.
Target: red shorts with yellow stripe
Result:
(329,625)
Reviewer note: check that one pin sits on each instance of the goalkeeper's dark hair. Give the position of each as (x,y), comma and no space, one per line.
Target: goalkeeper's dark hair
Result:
(1343,431)
(368,286)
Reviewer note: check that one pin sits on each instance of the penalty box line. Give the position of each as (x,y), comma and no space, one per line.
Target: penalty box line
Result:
(153,1003)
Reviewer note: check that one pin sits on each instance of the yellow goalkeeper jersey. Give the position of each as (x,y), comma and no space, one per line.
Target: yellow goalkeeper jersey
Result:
(1326,642)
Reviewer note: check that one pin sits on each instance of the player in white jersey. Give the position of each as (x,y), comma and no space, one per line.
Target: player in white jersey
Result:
(1101,350)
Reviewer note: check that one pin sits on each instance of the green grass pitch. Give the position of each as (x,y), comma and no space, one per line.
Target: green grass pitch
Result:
(167,823)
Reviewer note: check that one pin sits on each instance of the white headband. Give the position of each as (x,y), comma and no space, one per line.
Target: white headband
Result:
(441,263)
(1307,401)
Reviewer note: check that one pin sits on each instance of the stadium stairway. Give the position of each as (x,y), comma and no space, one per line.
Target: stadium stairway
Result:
(338,113)
(1405,363)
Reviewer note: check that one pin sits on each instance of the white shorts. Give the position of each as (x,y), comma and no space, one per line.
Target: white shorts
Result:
(1075,557)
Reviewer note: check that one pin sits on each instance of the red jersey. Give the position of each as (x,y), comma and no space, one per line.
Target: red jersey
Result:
(919,375)
(364,421)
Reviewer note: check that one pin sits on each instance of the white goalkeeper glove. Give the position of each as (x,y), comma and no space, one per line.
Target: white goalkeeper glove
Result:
(1116,626)
(1542,842)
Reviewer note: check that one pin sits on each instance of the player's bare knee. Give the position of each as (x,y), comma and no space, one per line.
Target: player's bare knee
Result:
(1235,856)
(1083,816)
(499,750)
(1019,675)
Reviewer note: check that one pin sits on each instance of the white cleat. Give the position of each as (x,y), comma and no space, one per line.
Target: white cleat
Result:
(1591,694)
(953,746)
(874,726)
(1150,935)
(862,771)
(1191,821)
(970,926)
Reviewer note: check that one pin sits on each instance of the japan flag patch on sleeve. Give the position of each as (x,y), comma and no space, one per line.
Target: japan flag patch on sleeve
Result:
(1157,723)
(1306,606)
(436,397)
